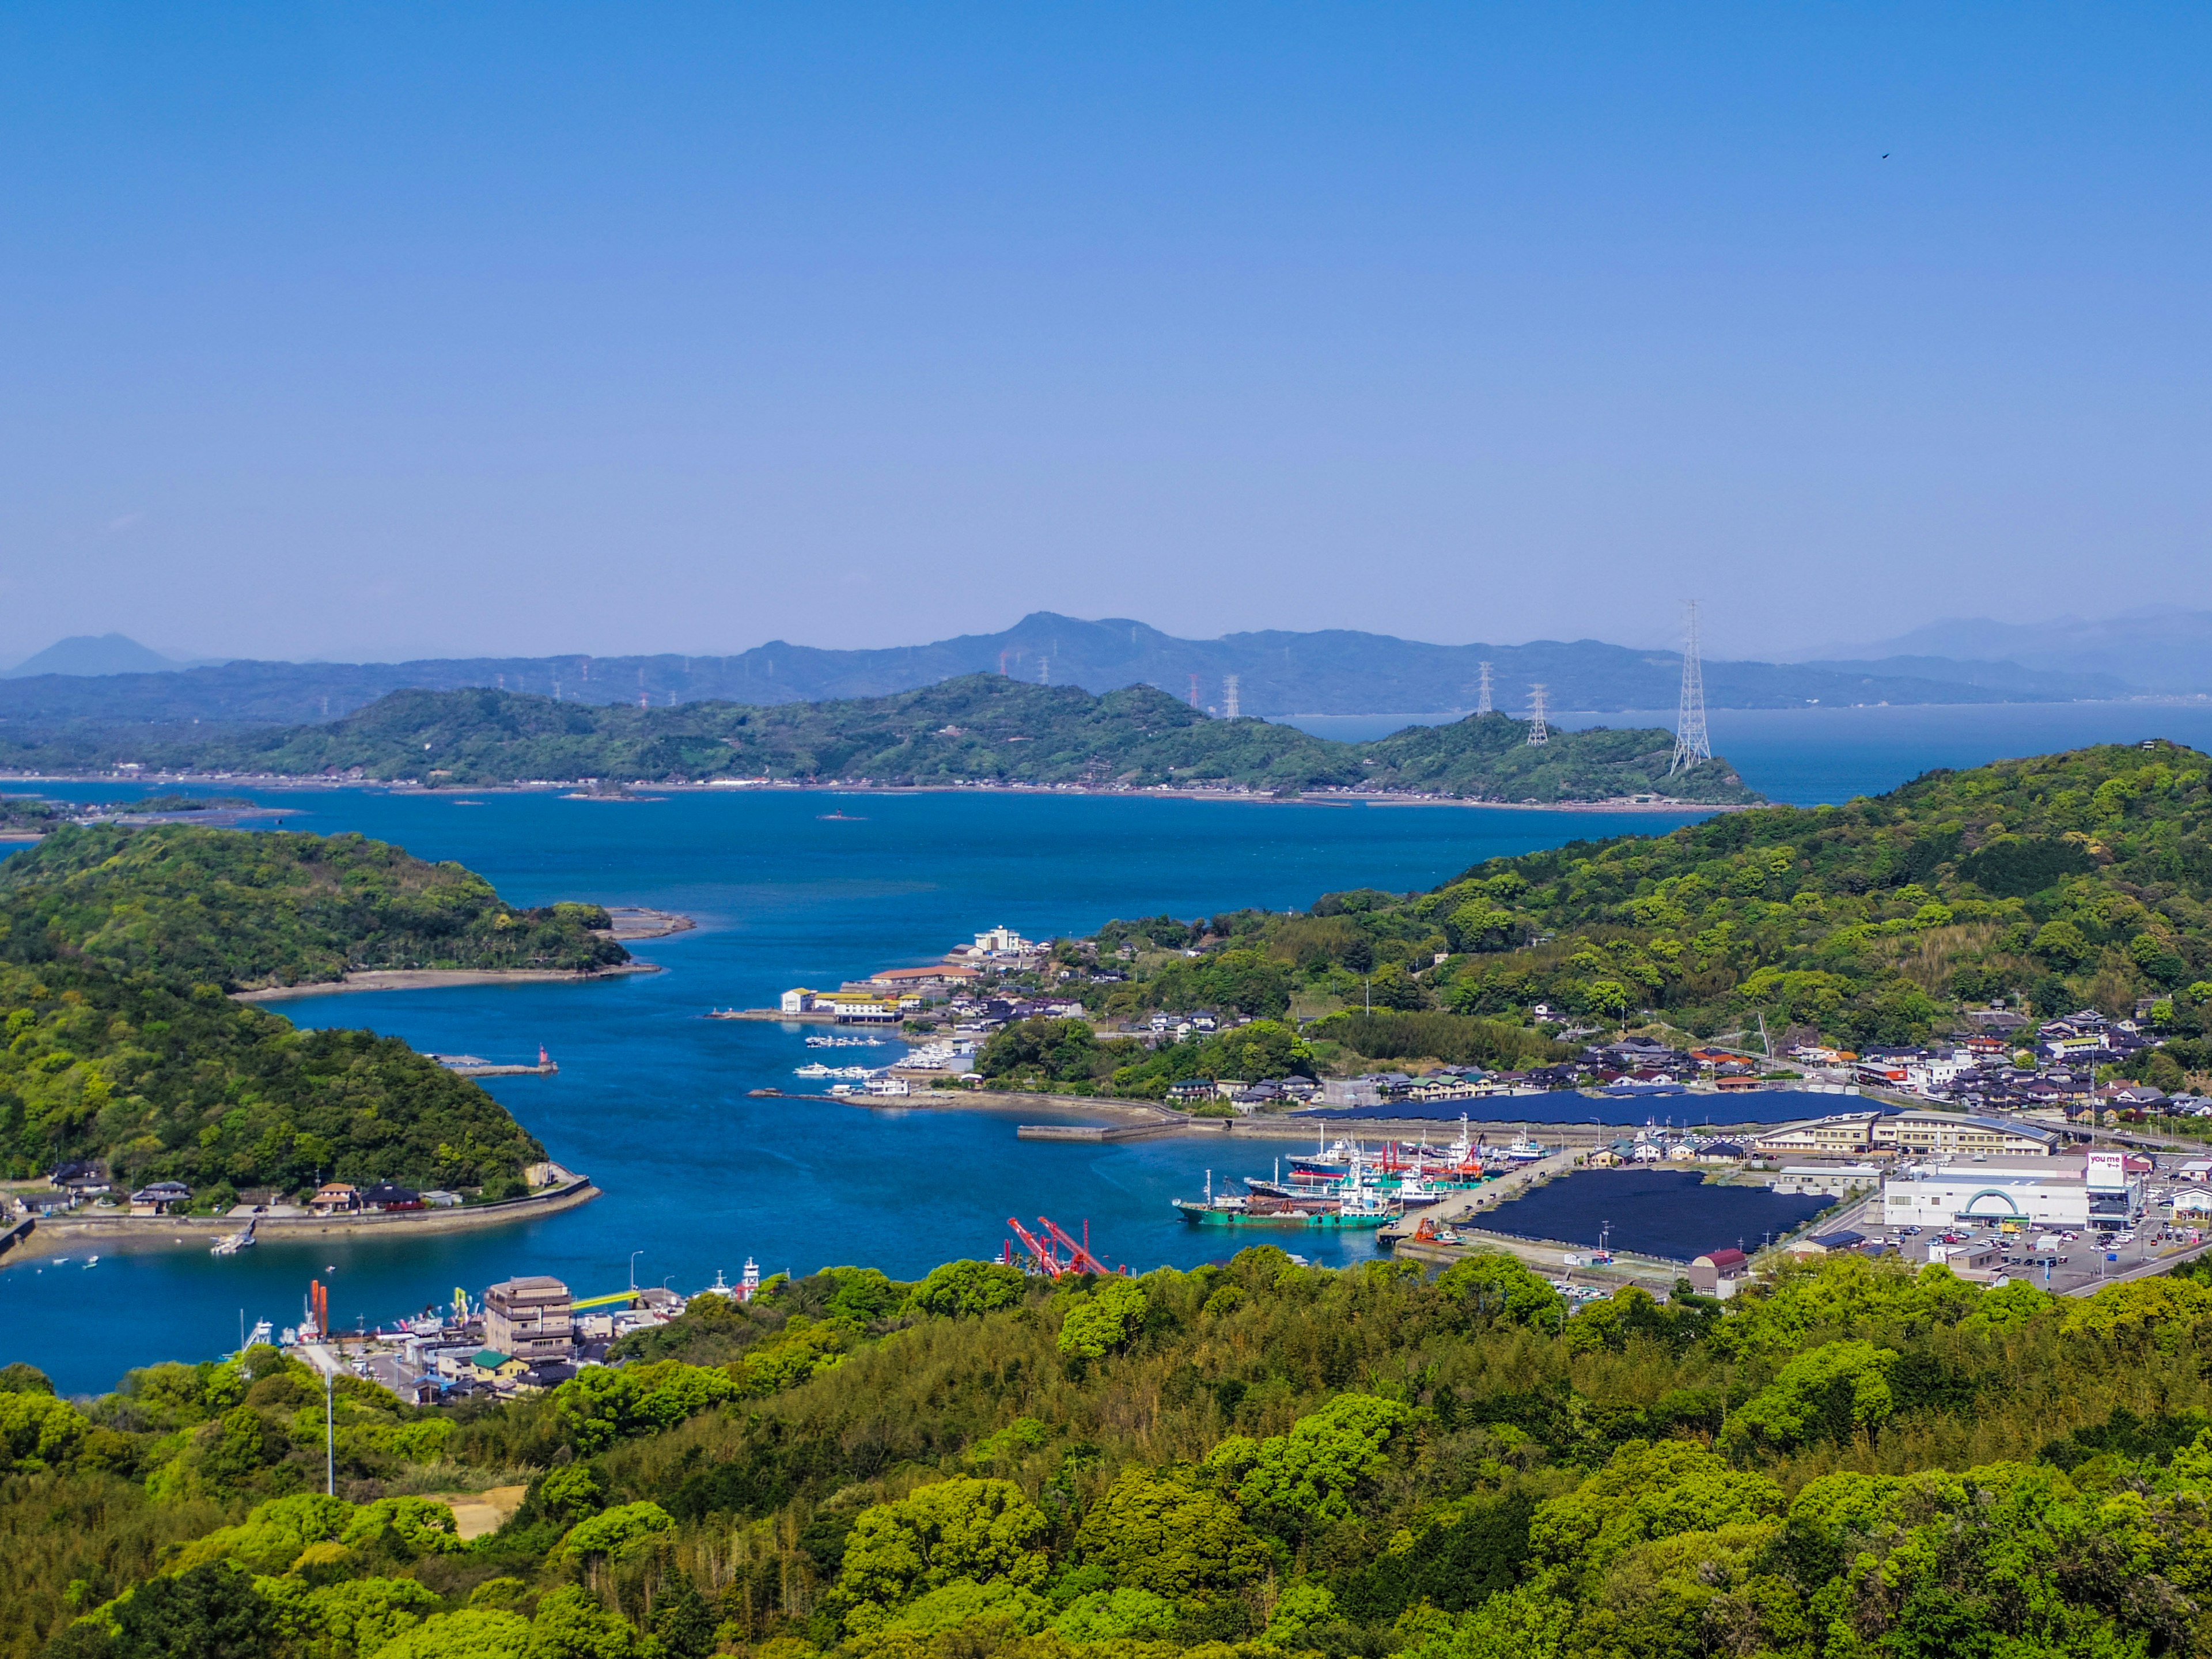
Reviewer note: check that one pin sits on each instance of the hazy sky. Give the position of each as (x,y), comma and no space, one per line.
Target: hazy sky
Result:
(341,331)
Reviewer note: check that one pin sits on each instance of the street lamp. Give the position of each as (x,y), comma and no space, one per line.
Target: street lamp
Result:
(634,1255)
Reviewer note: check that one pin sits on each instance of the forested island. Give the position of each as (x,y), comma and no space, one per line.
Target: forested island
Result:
(117,947)
(2068,881)
(1249,1460)
(981,728)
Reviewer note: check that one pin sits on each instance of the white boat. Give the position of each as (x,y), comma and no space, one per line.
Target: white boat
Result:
(232,1244)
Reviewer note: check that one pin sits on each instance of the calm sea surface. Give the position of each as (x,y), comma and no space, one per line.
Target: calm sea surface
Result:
(651,1100)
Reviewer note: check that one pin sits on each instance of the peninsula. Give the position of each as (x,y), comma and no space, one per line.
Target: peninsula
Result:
(2076,883)
(977,729)
(127,1059)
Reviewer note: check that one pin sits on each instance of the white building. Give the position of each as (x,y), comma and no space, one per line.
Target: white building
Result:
(1004,942)
(2054,1192)
(2049,1193)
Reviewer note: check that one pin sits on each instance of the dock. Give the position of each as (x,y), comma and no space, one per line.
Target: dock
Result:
(18,1234)
(548,1069)
(1094,1134)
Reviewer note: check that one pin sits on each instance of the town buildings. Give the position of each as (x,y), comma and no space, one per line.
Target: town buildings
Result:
(530,1319)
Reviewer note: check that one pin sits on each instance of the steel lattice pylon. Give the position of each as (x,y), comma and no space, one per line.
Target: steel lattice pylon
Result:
(1693,743)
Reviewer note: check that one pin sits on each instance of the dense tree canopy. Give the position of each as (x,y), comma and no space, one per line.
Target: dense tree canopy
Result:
(2065,881)
(240,908)
(117,946)
(1848,1460)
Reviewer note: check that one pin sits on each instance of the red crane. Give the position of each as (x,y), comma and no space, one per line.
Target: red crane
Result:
(1040,1255)
(1079,1259)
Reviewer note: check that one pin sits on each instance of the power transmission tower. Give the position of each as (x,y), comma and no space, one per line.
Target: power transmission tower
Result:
(1482,691)
(1692,744)
(1228,695)
(1194,690)
(1538,732)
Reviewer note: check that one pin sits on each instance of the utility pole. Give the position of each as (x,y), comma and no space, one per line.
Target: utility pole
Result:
(330,1431)
(1692,744)
(1482,690)
(1539,733)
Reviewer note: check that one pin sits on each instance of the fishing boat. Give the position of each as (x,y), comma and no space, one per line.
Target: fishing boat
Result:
(1359,1205)
(232,1244)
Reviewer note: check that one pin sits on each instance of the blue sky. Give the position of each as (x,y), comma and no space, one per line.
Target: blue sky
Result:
(361,333)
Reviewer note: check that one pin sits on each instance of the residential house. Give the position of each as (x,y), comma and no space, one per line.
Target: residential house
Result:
(1717,1272)
(160,1198)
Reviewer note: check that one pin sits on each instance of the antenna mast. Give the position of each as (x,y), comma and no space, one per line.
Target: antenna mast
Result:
(1538,732)
(1482,691)
(1692,744)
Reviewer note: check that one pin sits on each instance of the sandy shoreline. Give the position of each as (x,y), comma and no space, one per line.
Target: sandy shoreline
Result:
(435,979)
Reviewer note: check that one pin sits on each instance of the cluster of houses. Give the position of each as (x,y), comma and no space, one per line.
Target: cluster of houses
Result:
(80,1182)
(2005,1067)
(893,994)
(531,1334)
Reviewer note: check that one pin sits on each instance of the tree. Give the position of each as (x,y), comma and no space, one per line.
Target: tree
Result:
(1492,1285)
(1059,1050)
(975,1529)
(1292,1482)
(683,1619)
(475,1633)
(1154,1532)
(1829,1393)
(208,1612)
(1103,1320)
(965,1288)
(572,1625)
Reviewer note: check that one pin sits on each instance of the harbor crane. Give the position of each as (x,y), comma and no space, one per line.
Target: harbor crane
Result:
(1045,1254)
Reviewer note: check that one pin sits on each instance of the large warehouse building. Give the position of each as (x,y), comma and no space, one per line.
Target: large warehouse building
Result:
(2079,1191)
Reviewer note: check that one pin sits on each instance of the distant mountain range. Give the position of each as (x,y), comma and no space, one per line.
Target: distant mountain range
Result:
(1335,671)
(2154,648)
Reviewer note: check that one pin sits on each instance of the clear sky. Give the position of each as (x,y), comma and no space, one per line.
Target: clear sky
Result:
(432,329)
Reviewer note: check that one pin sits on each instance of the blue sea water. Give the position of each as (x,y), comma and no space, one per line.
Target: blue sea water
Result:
(652,1097)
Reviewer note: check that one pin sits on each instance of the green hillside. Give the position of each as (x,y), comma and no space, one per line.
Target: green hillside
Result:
(982,727)
(246,908)
(2069,880)
(116,946)
(1255,1460)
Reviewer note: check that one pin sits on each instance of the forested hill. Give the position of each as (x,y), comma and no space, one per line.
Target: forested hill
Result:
(984,727)
(116,946)
(1253,1459)
(2069,880)
(247,909)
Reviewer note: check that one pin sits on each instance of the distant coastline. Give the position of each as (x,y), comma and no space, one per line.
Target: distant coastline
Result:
(868,787)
